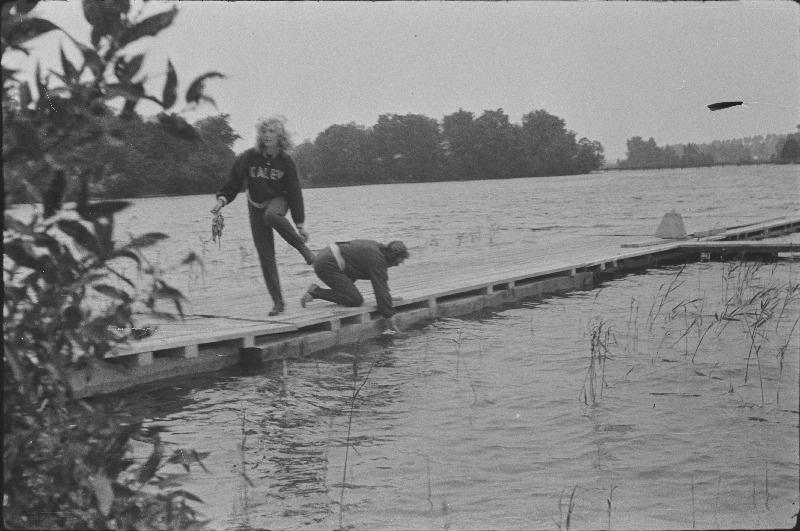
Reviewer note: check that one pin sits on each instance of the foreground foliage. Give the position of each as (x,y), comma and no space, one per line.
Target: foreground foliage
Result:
(71,292)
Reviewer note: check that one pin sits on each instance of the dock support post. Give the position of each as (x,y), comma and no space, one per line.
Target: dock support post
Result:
(143,358)
(190,351)
(432,307)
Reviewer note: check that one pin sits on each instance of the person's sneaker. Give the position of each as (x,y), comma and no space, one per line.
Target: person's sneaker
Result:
(278,308)
(309,255)
(307,296)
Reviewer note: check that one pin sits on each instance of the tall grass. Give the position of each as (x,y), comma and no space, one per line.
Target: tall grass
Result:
(753,298)
(751,318)
(608,500)
(595,381)
(561,523)
(246,481)
(356,391)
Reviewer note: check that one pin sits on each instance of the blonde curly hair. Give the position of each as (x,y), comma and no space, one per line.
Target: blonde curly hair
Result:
(284,138)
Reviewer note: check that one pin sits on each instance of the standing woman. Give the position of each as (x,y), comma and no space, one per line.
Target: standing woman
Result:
(272,189)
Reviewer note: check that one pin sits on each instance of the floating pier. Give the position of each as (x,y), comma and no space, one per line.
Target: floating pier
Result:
(220,332)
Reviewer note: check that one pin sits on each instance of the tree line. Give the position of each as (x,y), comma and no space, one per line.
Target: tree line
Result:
(417,148)
(139,158)
(398,148)
(772,148)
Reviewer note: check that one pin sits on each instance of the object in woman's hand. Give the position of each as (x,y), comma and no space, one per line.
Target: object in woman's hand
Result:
(217,225)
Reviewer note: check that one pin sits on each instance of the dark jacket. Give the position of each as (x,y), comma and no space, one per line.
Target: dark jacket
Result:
(267,178)
(365,261)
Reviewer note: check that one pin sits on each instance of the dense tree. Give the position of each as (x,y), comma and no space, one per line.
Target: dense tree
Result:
(589,156)
(342,156)
(498,148)
(790,152)
(217,130)
(641,153)
(305,156)
(460,137)
(693,157)
(550,148)
(647,154)
(406,148)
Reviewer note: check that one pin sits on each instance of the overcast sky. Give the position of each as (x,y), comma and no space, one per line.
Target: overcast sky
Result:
(611,70)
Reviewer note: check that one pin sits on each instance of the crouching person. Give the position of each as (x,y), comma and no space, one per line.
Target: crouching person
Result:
(341,264)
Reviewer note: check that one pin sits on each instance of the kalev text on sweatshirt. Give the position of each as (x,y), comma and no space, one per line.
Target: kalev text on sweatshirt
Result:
(267,177)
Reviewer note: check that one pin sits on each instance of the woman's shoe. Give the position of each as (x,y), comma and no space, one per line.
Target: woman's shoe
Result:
(278,308)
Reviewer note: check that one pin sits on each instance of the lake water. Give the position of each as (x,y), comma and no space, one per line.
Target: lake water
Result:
(659,400)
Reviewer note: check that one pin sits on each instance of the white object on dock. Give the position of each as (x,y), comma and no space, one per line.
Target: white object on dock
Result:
(671,227)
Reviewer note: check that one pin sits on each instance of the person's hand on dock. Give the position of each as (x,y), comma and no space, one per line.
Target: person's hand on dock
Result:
(218,206)
(302,232)
(391,326)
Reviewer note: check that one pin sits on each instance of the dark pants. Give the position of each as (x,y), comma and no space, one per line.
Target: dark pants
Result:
(262,221)
(343,290)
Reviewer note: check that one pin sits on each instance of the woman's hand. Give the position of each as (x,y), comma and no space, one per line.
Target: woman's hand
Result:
(303,234)
(218,206)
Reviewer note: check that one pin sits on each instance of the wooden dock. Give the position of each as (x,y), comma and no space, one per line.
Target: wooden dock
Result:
(219,331)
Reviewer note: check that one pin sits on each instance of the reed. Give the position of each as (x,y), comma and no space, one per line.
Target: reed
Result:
(356,391)
(781,355)
(608,500)
(492,228)
(459,361)
(752,298)
(570,507)
(561,524)
(428,474)
(633,317)
(243,492)
(601,338)
(651,318)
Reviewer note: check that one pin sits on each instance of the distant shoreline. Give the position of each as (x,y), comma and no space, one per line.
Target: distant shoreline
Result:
(606,169)
(639,168)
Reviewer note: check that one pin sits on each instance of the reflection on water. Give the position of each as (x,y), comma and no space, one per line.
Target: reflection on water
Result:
(480,422)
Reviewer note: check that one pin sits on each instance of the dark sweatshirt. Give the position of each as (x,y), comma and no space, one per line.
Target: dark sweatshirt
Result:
(267,178)
(365,261)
